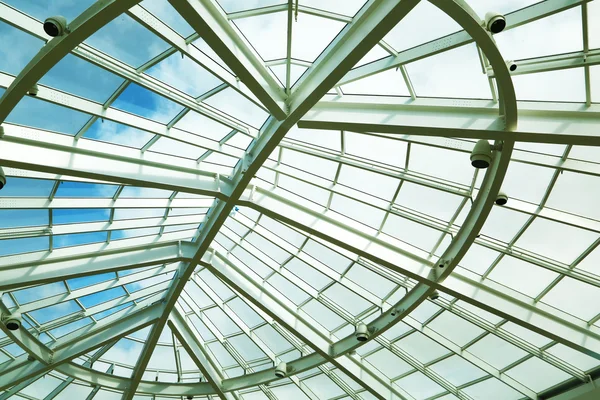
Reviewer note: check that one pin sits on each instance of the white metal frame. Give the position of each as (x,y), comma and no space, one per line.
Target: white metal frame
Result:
(52,156)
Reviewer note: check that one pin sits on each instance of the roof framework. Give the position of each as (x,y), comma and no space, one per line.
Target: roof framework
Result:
(266,246)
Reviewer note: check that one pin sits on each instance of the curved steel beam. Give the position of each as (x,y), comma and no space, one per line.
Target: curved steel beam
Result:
(259,150)
(373,21)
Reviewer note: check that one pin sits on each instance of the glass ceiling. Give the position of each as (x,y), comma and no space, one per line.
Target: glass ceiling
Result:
(204,190)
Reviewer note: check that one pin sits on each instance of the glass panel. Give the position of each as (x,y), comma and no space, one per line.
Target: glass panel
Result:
(113,132)
(525,41)
(79,77)
(272,26)
(128,41)
(17,48)
(184,74)
(454,73)
(47,116)
(137,100)
(410,33)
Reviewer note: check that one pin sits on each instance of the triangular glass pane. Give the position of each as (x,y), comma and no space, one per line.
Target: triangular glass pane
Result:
(258,28)
(422,24)
(184,74)
(311,35)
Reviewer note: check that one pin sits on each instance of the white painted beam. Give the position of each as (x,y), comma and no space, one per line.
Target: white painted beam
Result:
(87,23)
(134,319)
(556,62)
(47,152)
(192,343)
(24,270)
(29,203)
(454,40)
(87,227)
(88,53)
(475,119)
(208,19)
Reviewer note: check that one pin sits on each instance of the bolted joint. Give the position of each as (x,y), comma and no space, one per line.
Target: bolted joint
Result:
(396,311)
(444,263)
(497,147)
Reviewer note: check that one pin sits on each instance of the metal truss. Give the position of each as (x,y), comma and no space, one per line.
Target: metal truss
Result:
(433,122)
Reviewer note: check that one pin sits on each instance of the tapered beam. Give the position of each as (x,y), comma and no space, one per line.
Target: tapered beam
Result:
(208,19)
(87,23)
(454,40)
(48,152)
(31,269)
(561,124)
(190,340)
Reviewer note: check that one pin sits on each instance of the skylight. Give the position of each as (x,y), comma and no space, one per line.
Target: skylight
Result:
(278,200)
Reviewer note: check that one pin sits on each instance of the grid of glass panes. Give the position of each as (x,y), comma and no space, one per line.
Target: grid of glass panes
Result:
(395,192)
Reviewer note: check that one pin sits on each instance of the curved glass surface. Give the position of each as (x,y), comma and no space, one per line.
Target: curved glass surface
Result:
(212,199)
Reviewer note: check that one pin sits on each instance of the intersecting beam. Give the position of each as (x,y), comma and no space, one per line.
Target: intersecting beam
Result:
(163,31)
(17,388)
(34,27)
(462,284)
(209,20)
(96,288)
(454,40)
(44,267)
(559,123)
(192,343)
(67,348)
(385,304)
(88,364)
(122,117)
(372,22)
(151,293)
(87,23)
(301,326)
(250,332)
(32,149)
